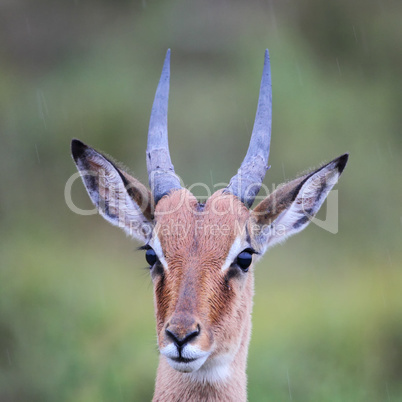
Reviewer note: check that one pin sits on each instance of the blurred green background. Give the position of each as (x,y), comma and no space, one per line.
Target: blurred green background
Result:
(76,310)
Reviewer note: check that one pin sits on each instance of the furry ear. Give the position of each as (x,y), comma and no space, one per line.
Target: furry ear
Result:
(290,208)
(121,199)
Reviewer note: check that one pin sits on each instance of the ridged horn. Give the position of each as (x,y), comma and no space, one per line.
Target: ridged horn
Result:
(247,182)
(161,174)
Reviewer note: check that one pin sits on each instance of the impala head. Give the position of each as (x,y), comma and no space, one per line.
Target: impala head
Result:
(201,256)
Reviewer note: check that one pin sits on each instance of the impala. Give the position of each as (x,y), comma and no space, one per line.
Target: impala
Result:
(201,255)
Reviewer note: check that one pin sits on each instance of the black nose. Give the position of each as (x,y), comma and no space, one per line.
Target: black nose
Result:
(180,338)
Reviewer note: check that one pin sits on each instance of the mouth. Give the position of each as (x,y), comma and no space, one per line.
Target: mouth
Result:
(187,359)
(182,360)
(186,365)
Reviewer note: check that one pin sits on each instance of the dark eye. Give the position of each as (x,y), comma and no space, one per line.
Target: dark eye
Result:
(151,257)
(244,260)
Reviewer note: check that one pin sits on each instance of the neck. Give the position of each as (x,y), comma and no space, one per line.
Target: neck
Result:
(225,382)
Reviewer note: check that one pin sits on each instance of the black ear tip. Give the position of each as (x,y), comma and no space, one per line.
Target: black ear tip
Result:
(77,148)
(342,161)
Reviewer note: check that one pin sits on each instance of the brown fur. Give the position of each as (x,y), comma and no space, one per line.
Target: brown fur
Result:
(279,200)
(140,194)
(195,290)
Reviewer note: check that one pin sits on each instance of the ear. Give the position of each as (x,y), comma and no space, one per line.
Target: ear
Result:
(291,207)
(120,199)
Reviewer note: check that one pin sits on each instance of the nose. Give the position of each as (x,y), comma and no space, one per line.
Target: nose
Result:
(181,335)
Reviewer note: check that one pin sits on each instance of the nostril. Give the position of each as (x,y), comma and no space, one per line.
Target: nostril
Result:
(182,339)
(171,335)
(197,330)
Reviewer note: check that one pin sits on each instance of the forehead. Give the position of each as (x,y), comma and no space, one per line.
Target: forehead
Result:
(183,226)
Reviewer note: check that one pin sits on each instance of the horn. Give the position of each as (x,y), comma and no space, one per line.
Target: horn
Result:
(247,182)
(161,174)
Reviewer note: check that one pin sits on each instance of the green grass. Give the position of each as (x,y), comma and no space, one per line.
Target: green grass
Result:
(328,337)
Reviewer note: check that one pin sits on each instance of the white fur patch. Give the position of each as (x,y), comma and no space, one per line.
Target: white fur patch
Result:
(197,355)
(235,250)
(213,371)
(156,245)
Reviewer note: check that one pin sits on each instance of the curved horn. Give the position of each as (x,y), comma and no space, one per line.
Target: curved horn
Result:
(161,175)
(247,182)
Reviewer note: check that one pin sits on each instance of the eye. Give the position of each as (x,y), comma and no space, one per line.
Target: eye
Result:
(244,260)
(151,257)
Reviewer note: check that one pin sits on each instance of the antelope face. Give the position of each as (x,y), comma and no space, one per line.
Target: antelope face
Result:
(200,259)
(201,256)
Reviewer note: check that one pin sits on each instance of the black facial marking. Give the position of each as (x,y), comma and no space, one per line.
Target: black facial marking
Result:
(232,272)
(157,269)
